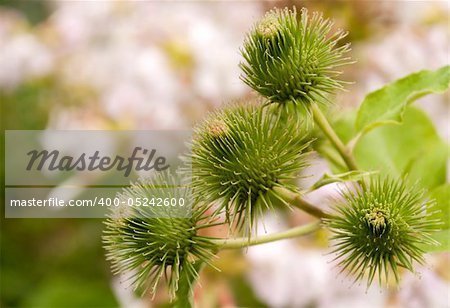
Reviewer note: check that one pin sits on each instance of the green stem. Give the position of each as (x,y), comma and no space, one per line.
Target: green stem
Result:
(297,201)
(245,241)
(329,132)
(185,292)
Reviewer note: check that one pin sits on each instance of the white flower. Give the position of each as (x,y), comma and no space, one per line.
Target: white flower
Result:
(23,57)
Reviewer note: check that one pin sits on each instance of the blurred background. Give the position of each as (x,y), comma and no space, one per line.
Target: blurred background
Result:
(124,65)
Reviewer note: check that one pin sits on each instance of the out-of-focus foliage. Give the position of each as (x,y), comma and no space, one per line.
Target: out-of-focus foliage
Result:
(28,106)
(35,11)
(47,262)
(51,263)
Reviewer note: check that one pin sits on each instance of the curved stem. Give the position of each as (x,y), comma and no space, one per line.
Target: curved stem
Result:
(329,132)
(296,200)
(245,241)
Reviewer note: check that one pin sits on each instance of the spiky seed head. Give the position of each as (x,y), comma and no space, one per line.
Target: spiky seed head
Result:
(380,228)
(150,241)
(240,154)
(294,59)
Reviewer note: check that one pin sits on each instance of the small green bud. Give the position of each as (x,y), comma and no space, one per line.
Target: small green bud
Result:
(269,25)
(293,60)
(380,228)
(240,154)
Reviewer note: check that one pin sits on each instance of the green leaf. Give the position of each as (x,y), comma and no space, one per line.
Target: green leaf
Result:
(442,196)
(442,237)
(387,105)
(412,149)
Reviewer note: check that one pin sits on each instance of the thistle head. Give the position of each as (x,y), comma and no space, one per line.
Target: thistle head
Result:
(290,58)
(381,227)
(240,154)
(157,240)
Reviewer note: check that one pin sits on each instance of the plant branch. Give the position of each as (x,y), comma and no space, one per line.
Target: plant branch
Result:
(329,132)
(245,241)
(296,200)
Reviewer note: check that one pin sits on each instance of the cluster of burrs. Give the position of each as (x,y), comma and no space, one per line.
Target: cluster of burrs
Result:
(242,156)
